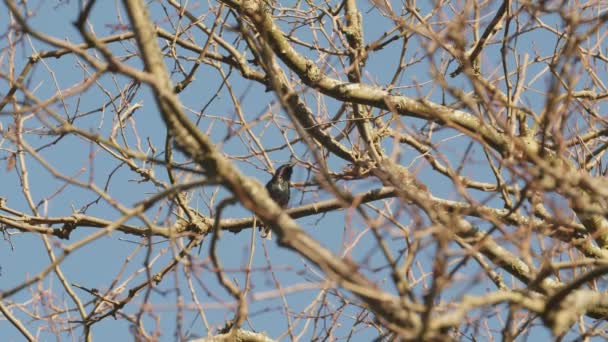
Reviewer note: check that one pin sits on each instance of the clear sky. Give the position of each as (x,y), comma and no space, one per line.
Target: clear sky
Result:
(97,264)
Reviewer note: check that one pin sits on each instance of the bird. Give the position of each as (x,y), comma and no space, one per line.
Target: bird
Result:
(279,189)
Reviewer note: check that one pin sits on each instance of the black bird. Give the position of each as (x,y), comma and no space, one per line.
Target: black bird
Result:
(279,189)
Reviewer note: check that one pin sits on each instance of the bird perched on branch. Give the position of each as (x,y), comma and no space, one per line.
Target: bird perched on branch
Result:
(280,190)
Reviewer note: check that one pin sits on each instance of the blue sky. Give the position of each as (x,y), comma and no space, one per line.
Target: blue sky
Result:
(96,265)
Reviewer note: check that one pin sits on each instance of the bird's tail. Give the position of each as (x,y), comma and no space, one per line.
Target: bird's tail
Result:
(266,232)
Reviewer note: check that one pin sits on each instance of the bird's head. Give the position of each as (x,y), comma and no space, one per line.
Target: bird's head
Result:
(284,171)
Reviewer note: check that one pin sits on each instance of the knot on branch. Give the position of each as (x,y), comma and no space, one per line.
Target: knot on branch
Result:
(198,225)
(313,74)
(65,231)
